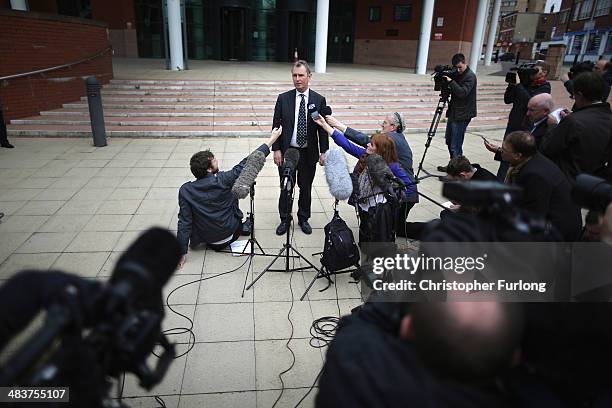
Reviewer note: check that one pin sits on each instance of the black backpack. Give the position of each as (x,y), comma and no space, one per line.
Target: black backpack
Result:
(339,250)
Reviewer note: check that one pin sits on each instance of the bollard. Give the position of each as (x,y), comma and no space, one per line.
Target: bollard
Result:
(96,115)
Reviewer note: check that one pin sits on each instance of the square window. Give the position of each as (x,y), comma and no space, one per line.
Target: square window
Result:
(374,14)
(403,13)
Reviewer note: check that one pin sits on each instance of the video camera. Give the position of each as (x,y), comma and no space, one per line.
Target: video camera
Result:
(440,71)
(576,69)
(524,72)
(92,331)
(592,192)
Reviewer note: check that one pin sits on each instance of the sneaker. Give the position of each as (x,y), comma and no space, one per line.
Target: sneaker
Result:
(246,227)
(306,228)
(281,229)
(7,145)
(442,169)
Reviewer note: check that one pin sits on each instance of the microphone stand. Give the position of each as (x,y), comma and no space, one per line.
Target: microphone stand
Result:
(287,247)
(323,272)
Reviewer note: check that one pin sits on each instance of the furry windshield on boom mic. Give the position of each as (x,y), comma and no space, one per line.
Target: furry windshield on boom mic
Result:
(379,171)
(252,167)
(292,157)
(337,175)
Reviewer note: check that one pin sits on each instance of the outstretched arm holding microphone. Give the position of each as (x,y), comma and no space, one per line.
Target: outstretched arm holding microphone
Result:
(208,207)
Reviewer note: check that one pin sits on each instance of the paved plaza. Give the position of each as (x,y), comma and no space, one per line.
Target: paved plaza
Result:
(75,207)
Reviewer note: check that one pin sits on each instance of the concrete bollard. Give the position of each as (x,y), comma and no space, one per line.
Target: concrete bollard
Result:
(96,115)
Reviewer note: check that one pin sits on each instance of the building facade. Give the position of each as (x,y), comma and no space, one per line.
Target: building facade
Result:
(359,31)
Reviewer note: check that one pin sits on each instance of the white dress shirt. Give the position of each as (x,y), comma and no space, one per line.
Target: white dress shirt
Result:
(298,100)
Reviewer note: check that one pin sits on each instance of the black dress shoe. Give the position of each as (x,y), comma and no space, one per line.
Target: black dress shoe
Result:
(306,228)
(442,169)
(281,229)
(7,145)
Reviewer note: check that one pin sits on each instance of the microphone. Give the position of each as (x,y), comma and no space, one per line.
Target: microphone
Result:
(245,180)
(326,110)
(292,157)
(379,171)
(337,175)
(143,270)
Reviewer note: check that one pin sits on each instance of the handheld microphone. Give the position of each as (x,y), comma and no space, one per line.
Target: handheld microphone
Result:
(326,110)
(337,175)
(245,180)
(379,171)
(292,157)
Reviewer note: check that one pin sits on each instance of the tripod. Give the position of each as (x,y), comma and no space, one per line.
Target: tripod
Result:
(433,127)
(287,247)
(324,273)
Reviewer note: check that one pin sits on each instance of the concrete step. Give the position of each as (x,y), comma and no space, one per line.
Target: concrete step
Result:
(197,131)
(151,108)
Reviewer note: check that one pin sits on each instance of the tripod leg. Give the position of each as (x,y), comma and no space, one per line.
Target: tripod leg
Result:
(267,267)
(317,276)
(246,276)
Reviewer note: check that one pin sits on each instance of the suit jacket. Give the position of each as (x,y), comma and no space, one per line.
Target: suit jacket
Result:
(546,192)
(582,141)
(518,95)
(284,114)
(539,132)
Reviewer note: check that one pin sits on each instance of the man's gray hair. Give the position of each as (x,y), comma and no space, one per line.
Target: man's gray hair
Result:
(397,121)
(301,63)
(544,100)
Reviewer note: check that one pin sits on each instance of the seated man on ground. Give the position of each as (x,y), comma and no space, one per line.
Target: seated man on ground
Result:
(546,190)
(208,212)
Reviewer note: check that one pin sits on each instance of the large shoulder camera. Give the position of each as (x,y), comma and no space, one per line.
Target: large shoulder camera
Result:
(523,71)
(440,71)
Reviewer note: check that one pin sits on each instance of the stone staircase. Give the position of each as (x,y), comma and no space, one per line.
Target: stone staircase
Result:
(158,108)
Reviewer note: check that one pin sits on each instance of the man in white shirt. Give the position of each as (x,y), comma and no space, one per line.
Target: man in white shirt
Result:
(293,111)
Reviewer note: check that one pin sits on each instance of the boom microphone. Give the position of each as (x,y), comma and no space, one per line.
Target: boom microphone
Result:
(245,180)
(143,270)
(380,173)
(337,175)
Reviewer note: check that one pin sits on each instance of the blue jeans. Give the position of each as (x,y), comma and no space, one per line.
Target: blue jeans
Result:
(455,132)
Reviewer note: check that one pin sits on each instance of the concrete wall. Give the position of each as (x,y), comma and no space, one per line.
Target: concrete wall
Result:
(33,41)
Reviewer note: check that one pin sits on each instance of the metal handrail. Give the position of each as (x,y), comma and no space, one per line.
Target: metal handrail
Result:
(70,64)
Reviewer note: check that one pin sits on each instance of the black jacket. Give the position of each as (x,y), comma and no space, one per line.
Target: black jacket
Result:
(284,114)
(546,192)
(518,95)
(462,105)
(582,141)
(404,153)
(208,212)
(539,132)
(368,365)
(482,174)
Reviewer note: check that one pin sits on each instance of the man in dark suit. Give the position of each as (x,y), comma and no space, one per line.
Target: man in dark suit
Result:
(293,111)
(546,190)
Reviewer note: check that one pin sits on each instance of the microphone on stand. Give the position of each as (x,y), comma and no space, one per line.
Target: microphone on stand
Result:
(292,157)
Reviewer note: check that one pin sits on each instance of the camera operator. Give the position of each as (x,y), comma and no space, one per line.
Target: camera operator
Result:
(582,141)
(518,93)
(421,355)
(208,212)
(546,191)
(588,66)
(393,125)
(462,106)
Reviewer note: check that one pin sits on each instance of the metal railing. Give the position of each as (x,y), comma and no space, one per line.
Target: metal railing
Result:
(68,65)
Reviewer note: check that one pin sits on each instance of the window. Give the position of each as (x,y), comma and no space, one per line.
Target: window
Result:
(577,45)
(544,19)
(585,10)
(403,13)
(602,8)
(563,17)
(374,14)
(608,49)
(593,44)
(576,11)
(393,32)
